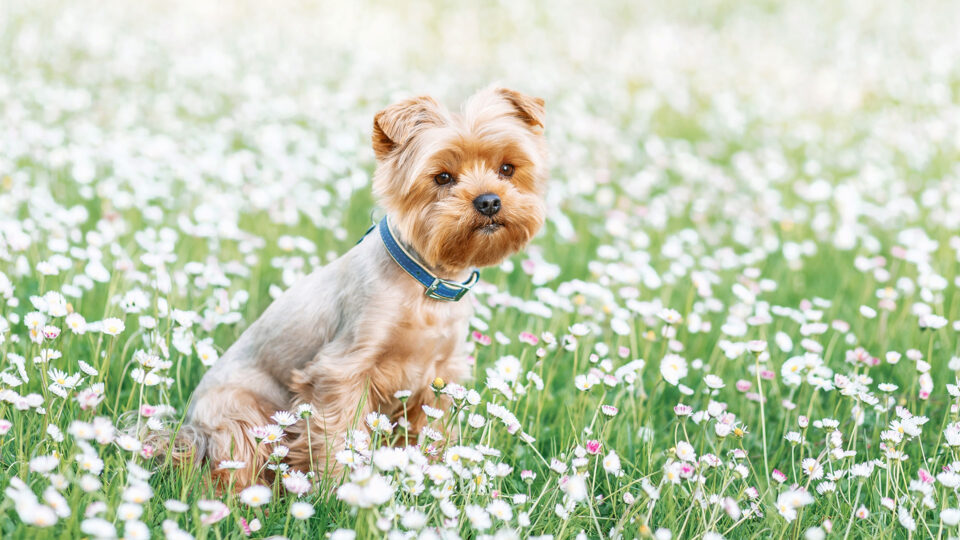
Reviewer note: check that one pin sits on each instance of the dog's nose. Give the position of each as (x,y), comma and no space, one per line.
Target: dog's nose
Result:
(487,204)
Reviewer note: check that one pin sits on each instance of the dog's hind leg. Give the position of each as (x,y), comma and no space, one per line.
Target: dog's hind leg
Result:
(226,415)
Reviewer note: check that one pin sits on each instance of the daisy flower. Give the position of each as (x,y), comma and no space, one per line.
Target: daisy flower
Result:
(673,368)
(284,418)
(301,510)
(112,326)
(255,495)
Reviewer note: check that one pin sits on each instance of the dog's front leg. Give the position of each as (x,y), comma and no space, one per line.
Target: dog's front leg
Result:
(341,402)
(452,371)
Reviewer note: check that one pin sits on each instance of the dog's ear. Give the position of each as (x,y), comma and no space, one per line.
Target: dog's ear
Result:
(529,109)
(397,124)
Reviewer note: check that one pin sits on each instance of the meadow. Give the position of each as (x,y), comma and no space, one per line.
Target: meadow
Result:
(740,320)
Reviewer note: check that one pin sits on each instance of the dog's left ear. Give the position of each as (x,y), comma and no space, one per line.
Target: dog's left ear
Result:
(529,109)
(394,126)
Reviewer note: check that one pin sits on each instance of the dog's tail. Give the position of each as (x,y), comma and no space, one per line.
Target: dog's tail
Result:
(177,444)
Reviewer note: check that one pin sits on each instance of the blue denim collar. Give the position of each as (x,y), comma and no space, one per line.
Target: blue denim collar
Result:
(436,288)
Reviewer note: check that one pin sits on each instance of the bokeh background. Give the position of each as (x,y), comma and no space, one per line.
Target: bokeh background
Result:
(221,110)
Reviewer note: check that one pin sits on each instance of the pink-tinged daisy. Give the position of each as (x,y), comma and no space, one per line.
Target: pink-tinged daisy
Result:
(481,338)
(682,410)
(89,398)
(147,410)
(528,338)
(296,482)
(609,410)
(214,511)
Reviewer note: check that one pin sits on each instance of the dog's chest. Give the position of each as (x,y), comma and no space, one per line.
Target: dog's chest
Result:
(424,338)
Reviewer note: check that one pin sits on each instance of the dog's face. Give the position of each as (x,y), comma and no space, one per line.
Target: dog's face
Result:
(463,189)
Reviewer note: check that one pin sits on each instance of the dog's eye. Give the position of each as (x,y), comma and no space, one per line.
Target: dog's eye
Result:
(506,170)
(443,178)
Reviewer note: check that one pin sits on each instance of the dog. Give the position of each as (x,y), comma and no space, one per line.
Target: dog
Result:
(461,191)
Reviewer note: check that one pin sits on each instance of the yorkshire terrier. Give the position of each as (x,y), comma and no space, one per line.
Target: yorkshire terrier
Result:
(460,191)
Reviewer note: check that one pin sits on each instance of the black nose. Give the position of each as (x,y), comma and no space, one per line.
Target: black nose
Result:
(487,204)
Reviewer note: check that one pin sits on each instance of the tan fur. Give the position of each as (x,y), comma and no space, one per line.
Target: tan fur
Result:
(360,329)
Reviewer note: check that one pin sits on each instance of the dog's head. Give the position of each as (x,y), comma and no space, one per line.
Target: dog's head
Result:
(462,189)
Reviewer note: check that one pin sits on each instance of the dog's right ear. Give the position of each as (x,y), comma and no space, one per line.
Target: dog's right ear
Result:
(529,109)
(394,126)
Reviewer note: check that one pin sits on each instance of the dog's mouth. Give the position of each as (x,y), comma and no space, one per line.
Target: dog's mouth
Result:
(490,228)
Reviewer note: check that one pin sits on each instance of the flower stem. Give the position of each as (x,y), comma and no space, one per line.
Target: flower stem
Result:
(763,419)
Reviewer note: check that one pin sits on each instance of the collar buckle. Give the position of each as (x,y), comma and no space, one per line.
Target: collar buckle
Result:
(460,288)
